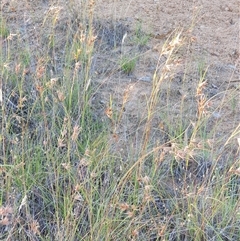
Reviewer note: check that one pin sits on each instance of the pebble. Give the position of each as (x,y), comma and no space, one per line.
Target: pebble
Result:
(216,115)
(146,78)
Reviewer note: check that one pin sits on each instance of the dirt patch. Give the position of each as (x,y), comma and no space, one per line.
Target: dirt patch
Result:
(211,30)
(137,31)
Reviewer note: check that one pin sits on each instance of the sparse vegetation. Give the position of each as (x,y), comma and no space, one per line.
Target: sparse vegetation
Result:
(67,169)
(140,38)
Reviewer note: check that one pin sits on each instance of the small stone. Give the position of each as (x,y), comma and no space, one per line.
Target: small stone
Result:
(216,115)
(146,78)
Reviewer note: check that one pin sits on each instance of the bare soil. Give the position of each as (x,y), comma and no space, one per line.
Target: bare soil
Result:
(211,34)
(210,42)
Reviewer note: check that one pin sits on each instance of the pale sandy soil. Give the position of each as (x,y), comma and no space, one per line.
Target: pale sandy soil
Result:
(210,40)
(213,27)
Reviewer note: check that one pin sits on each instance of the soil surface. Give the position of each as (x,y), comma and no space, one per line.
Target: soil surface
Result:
(210,32)
(209,48)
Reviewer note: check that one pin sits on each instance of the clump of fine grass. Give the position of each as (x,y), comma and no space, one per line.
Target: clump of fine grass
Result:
(60,175)
(140,38)
(128,65)
(45,127)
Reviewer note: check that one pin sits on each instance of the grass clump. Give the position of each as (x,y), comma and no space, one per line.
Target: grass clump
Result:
(140,38)
(128,65)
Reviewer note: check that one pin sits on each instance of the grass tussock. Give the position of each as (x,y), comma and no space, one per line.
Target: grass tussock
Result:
(61,177)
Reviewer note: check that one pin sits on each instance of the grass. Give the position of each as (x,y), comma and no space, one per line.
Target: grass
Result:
(127,65)
(140,38)
(61,177)
(4,32)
